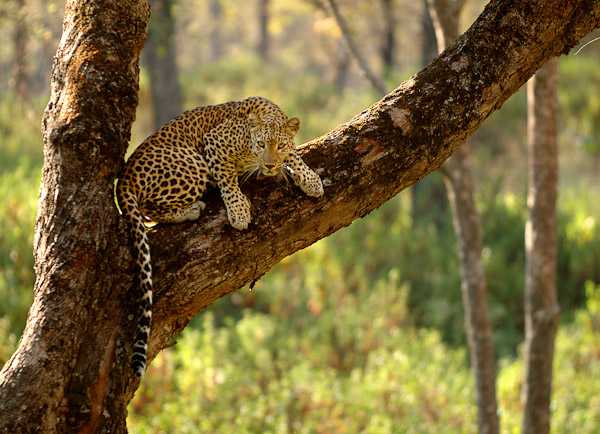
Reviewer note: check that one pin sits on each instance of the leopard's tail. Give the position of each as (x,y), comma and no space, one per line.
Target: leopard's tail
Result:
(129,206)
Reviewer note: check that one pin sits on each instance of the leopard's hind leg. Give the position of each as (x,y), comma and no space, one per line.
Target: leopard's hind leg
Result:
(187,213)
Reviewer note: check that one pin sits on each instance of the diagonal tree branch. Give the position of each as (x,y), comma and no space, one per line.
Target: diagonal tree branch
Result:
(368,160)
(70,372)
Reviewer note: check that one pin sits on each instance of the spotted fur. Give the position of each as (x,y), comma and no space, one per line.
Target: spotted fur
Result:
(166,176)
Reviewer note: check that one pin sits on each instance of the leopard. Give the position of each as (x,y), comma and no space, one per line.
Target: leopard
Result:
(166,176)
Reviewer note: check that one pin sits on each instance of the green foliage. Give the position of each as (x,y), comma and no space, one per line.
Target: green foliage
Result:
(21,143)
(18,201)
(266,374)
(19,180)
(308,368)
(576,403)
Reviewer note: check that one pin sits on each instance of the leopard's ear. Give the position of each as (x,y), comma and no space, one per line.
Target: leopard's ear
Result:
(254,120)
(293,125)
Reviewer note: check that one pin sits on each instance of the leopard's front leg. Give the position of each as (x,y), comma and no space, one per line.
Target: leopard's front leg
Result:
(304,176)
(236,202)
(221,155)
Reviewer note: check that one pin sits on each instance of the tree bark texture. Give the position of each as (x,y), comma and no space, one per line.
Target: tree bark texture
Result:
(71,370)
(541,304)
(160,59)
(264,36)
(461,196)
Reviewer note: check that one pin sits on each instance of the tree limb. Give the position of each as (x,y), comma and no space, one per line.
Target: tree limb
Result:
(70,372)
(368,160)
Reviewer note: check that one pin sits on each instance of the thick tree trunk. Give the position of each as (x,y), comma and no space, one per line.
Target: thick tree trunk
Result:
(461,195)
(387,49)
(71,371)
(263,47)
(159,57)
(541,304)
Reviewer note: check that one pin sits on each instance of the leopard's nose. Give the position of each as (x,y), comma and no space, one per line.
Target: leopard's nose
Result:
(270,166)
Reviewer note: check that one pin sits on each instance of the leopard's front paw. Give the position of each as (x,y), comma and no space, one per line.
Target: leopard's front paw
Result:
(312,186)
(238,214)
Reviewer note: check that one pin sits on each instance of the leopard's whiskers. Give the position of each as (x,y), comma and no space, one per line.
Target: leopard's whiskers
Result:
(250,168)
(285,175)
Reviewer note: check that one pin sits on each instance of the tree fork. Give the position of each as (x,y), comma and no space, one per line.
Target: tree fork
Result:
(71,371)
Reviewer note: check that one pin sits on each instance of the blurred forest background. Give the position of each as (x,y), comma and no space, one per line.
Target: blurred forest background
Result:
(363,331)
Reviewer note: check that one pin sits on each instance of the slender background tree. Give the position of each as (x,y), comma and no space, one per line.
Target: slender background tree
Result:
(541,301)
(461,196)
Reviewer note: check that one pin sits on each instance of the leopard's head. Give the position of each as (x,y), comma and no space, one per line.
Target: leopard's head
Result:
(272,142)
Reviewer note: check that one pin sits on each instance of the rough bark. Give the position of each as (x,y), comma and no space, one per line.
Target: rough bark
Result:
(375,81)
(461,196)
(159,57)
(387,49)
(71,371)
(263,46)
(541,304)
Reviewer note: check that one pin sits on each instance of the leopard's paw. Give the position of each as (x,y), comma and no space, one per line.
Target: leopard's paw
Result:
(239,215)
(313,186)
